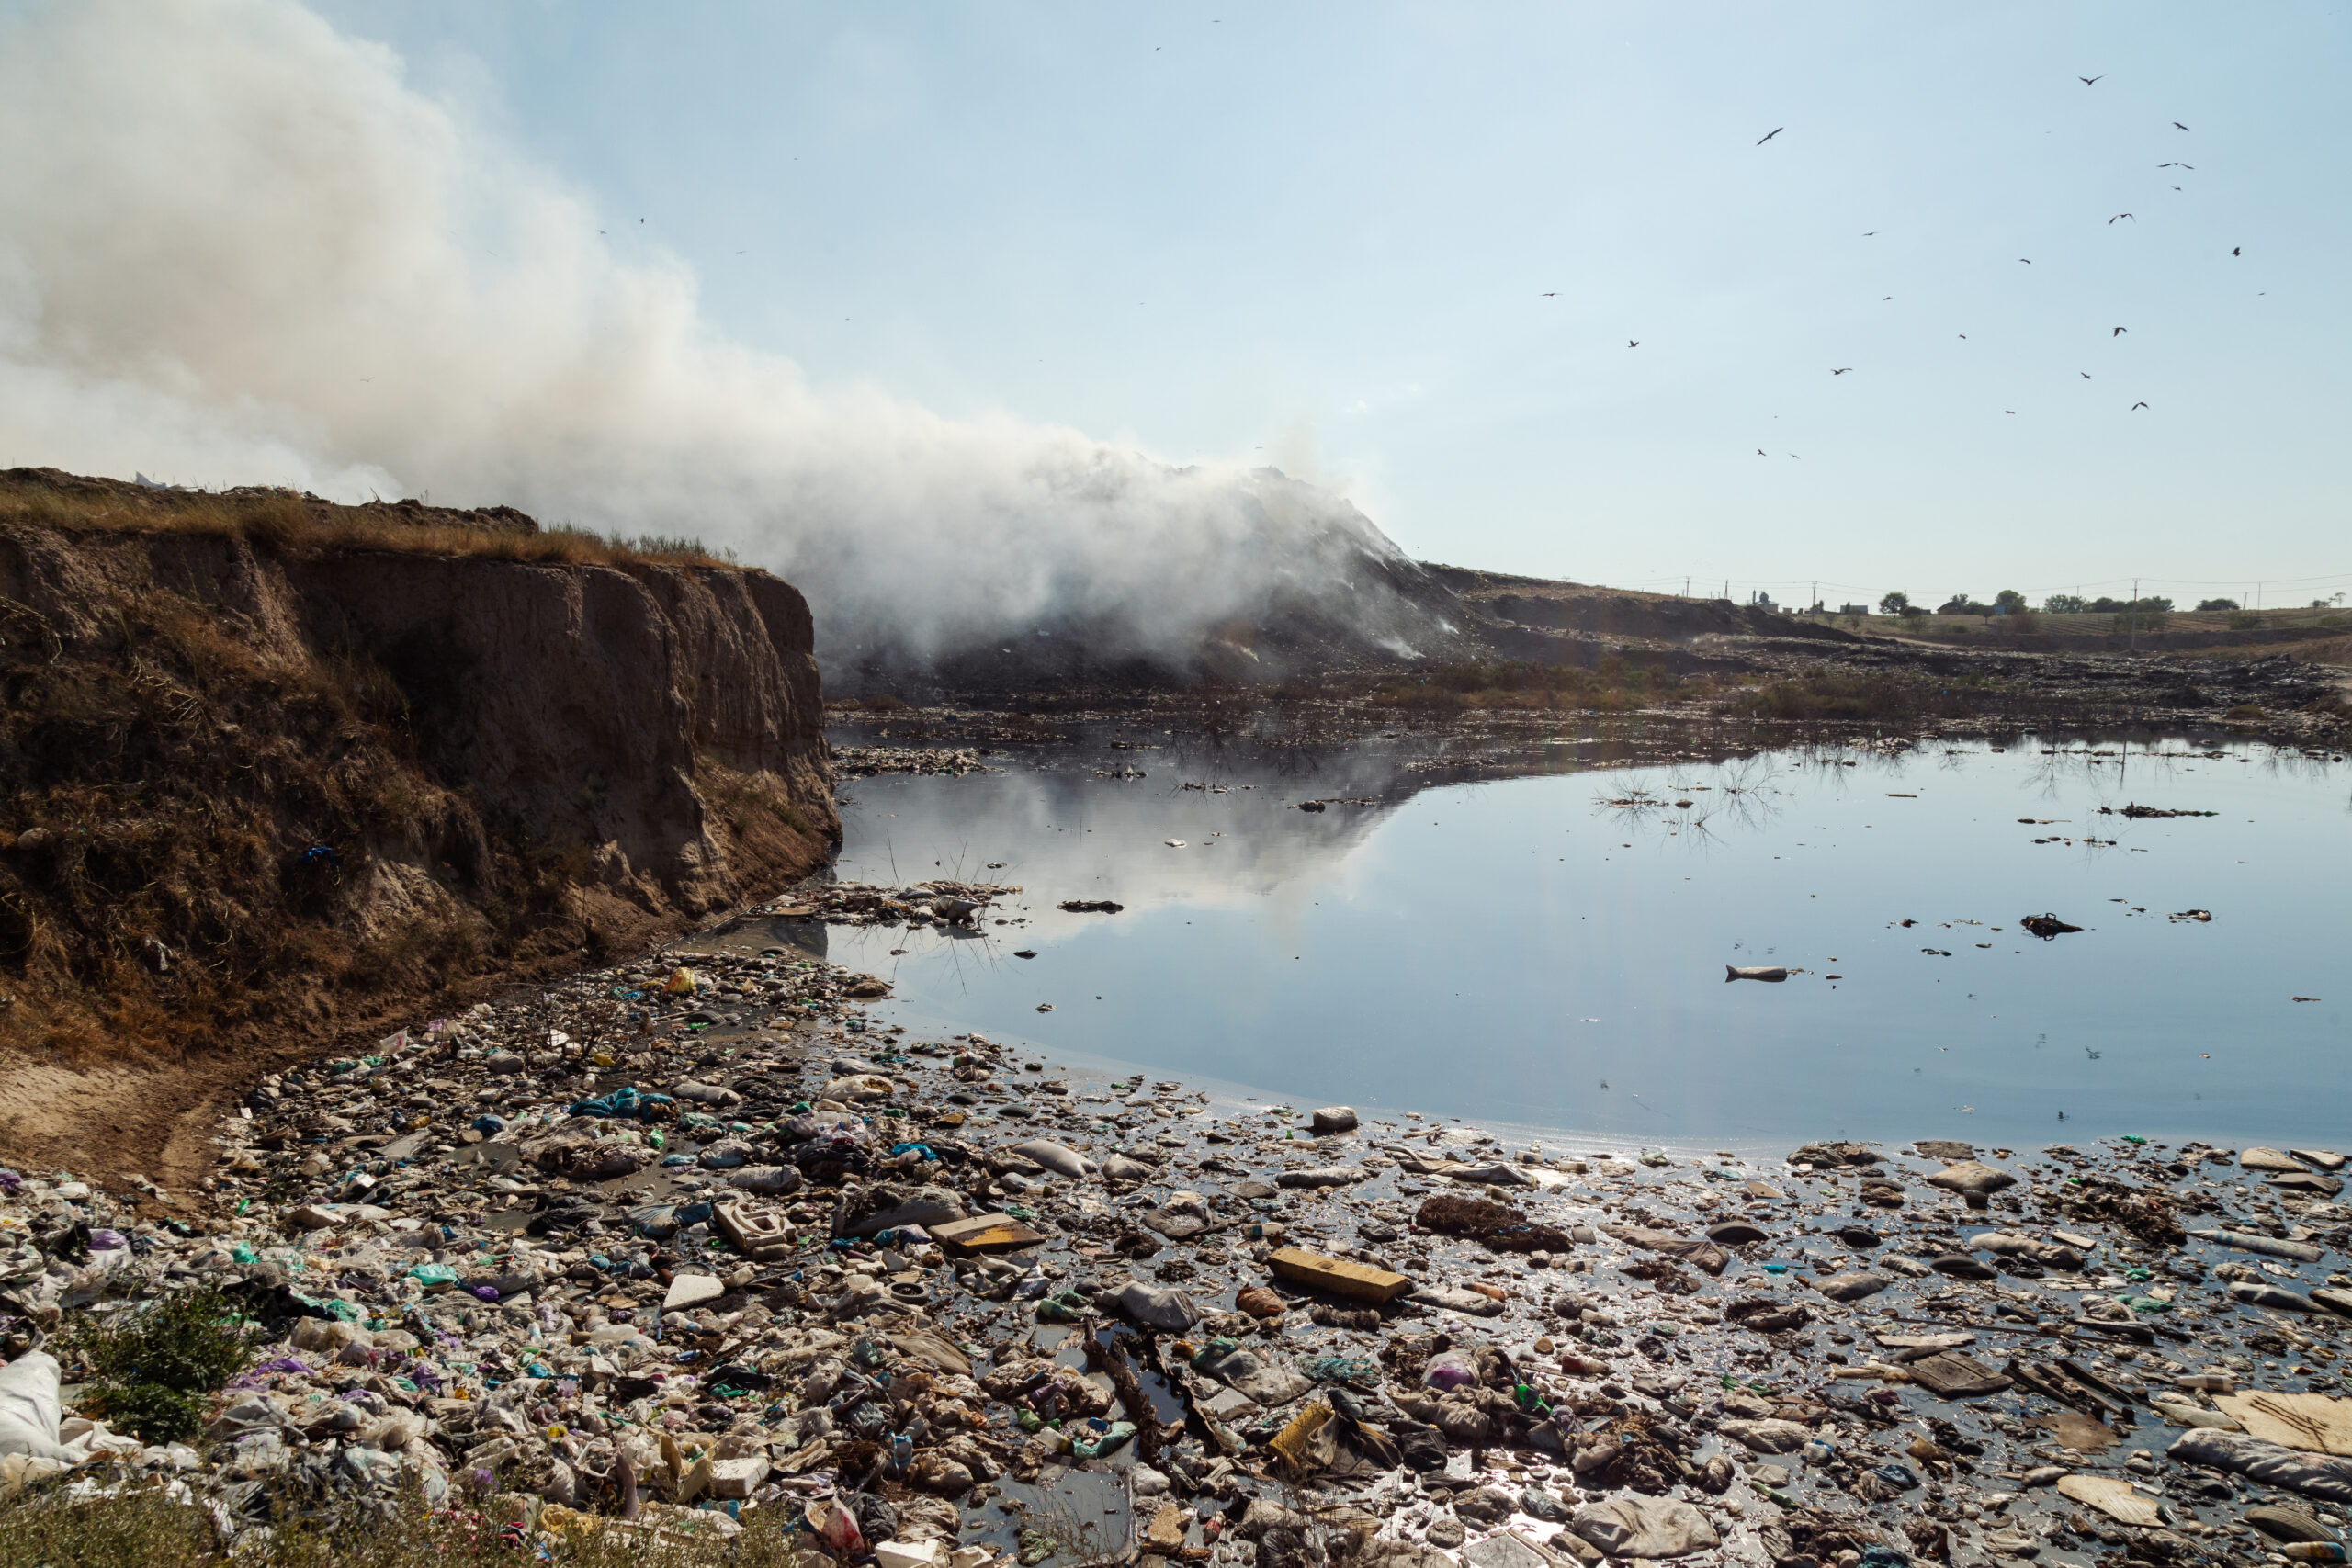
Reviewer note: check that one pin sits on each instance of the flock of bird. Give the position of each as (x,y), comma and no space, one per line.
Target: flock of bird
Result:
(2118,331)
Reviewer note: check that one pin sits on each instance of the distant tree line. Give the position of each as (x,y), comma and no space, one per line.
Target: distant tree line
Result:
(2009,602)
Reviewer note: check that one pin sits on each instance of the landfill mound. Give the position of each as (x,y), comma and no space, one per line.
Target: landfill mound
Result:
(269,772)
(685,1255)
(1378,613)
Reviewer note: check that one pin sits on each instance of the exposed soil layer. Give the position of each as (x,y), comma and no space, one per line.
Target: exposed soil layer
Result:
(262,787)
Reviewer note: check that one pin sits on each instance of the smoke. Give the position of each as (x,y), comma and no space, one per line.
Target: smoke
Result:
(236,248)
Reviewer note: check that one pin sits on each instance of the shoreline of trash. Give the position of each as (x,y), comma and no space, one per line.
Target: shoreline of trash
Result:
(664,1251)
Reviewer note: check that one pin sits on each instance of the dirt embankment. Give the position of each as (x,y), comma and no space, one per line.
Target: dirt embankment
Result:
(262,788)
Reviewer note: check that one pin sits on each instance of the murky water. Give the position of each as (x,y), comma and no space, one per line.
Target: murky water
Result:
(1550,950)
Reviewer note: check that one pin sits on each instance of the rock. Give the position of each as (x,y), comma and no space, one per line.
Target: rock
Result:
(1334,1119)
(1736,1233)
(1119,1167)
(1158,1306)
(2336,1300)
(2270,1159)
(688,1290)
(1959,1266)
(1643,1526)
(1945,1149)
(2307,1181)
(2321,1160)
(1538,1504)
(1973,1178)
(1824,1157)
(1850,1287)
(1445,1531)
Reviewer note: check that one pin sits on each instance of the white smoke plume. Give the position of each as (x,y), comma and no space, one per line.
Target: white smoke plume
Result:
(237,248)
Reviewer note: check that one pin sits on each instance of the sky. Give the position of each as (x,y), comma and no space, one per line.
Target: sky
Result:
(1525,282)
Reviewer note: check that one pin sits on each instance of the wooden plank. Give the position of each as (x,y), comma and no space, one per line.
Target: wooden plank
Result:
(985,1233)
(1336,1275)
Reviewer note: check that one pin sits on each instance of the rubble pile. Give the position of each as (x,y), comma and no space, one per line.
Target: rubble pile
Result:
(668,1247)
(866,761)
(944,902)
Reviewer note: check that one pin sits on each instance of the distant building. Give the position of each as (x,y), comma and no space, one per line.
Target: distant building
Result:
(1854,609)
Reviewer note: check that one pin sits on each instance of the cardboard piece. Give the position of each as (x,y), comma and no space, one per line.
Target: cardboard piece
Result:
(2315,1423)
(2117,1499)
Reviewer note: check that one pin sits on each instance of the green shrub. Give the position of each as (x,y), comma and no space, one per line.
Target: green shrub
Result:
(153,1369)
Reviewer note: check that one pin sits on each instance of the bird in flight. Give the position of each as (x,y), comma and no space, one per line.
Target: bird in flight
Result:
(1770,134)
(2086,81)
(2177,165)
(2139,405)
(1869,233)
(2110,223)
(2008,410)
(2118,331)
(2084,374)
(2028,260)
(1633,343)
(2178,126)
(1554,294)
(2237,250)
(1841,372)
(1761,453)
(1963,337)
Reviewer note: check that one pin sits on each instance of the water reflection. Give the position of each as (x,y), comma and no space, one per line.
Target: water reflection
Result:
(1500,949)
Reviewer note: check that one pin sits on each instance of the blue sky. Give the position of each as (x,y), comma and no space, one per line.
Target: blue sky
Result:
(1403,249)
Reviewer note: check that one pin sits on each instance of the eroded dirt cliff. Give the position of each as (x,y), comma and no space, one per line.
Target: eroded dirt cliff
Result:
(261,787)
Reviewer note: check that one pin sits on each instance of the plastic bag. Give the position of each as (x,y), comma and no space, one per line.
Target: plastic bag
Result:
(1448,1371)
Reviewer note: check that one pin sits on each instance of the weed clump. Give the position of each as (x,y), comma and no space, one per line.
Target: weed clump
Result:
(153,1370)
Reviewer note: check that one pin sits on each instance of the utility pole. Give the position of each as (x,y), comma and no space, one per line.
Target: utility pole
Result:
(2135,624)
